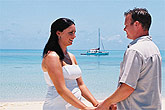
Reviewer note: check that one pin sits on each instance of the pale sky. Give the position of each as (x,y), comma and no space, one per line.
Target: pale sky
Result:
(25,24)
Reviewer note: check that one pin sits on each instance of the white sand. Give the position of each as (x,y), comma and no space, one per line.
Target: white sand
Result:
(21,105)
(36,105)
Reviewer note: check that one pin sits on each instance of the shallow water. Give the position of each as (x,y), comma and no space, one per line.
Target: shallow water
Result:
(21,77)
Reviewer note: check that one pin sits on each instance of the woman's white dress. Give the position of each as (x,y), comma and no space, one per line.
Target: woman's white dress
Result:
(53,100)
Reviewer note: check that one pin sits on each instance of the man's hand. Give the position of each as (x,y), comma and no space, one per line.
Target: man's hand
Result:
(113,107)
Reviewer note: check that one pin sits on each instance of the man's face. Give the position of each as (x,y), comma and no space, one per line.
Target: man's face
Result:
(130,28)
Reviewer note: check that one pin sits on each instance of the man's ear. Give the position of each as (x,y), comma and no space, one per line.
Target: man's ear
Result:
(136,23)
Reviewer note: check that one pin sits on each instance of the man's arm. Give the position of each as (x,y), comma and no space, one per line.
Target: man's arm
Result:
(120,94)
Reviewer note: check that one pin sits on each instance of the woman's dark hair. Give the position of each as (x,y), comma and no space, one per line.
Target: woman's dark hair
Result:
(52,44)
(141,15)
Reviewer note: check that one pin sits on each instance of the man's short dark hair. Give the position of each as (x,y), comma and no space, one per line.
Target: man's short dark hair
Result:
(141,15)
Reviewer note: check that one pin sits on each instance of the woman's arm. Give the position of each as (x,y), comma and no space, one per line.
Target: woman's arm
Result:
(84,90)
(54,68)
(86,93)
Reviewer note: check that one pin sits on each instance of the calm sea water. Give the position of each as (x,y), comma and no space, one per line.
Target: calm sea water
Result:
(21,77)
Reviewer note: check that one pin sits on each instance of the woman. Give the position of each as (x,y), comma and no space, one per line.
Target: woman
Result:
(62,74)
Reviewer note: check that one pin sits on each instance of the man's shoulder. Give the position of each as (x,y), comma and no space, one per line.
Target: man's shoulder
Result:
(145,48)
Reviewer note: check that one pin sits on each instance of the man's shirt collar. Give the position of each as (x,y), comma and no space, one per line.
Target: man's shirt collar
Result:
(142,38)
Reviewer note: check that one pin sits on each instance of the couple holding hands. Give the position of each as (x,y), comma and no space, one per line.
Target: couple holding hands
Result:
(139,85)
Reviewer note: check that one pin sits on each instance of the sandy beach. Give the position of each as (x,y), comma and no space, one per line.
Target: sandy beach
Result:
(36,105)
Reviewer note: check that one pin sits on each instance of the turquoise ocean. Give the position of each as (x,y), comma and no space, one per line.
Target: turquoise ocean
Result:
(21,76)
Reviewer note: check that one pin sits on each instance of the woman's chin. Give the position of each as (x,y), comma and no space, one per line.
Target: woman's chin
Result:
(69,44)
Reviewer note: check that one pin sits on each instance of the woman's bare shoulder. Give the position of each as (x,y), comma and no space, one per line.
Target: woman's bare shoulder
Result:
(50,58)
(51,55)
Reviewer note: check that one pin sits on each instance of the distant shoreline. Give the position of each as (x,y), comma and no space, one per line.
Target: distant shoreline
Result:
(69,49)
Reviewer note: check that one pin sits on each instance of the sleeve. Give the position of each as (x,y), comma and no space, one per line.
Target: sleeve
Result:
(131,68)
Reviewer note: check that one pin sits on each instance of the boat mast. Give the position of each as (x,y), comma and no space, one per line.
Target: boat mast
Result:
(99,38)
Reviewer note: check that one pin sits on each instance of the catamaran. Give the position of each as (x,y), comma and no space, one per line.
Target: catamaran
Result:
(96,51)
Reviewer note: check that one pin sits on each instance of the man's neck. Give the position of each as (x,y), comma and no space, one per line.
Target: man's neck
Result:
(143,33)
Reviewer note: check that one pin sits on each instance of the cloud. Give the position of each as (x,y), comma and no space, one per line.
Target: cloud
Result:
(114,38)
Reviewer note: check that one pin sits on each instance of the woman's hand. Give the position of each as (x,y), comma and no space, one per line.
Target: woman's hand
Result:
(98,103)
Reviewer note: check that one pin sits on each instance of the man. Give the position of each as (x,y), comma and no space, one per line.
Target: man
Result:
(140,72)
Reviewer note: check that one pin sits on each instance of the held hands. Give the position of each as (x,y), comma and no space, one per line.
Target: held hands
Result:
(89,108)
(102,106)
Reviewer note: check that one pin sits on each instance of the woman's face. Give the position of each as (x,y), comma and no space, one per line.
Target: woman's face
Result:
(67,36)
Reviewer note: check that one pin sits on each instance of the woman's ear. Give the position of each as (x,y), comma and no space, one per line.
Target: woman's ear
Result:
(58,33)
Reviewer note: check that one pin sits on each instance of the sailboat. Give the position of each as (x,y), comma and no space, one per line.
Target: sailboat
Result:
(96,51)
